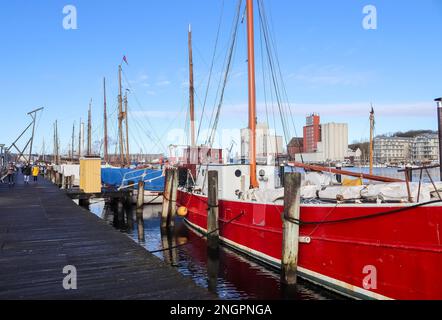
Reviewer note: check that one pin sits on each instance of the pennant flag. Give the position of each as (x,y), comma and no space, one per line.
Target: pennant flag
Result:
(125,60)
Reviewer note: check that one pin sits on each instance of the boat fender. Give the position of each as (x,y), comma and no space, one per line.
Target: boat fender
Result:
(182,211)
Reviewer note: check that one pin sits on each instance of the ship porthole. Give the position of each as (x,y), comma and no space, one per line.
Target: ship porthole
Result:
(238,173)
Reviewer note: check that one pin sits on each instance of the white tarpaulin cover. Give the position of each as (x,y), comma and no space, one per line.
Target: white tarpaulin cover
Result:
(341,193)
(317,179)
(69,170)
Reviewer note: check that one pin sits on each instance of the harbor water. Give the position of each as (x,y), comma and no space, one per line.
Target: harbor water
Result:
(230,275)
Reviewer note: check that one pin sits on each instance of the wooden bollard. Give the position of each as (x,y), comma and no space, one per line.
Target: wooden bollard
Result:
(212,216)
(290,238)
(128,211)
(166,198)
(173,197)
(140,196)
(140,225)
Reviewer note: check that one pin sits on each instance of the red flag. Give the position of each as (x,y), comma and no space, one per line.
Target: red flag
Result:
(125,60)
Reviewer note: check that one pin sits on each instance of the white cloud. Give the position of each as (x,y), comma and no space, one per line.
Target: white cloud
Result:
(163,83)
(157,114)
(331,75)
(355,109)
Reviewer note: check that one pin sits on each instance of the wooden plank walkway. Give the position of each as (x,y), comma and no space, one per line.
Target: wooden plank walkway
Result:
(42,231)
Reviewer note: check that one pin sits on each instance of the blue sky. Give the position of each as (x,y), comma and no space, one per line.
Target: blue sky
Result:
(330,64)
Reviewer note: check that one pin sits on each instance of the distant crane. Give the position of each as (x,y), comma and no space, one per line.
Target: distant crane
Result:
(232,144)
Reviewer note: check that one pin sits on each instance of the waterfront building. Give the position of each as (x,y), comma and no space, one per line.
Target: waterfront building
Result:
(392,149)
(331,147)
(425,148)
(268,145)
(295,146)
(312,133)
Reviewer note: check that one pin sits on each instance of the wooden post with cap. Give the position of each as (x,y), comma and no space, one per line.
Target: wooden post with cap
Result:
(140,195)
(166,198)
(173,197)
(213,214)
(290,238)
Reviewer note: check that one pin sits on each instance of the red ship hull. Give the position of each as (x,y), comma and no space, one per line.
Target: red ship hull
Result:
(396,256)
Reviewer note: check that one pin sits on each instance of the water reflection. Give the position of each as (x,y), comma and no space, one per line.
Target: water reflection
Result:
(225,272)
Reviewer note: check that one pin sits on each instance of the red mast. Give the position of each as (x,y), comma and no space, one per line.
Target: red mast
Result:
(252,95)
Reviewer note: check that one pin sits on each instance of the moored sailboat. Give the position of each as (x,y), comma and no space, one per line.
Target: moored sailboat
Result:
(394,243)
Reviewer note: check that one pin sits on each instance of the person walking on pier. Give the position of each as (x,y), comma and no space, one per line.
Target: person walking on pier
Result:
(11,172)
(27,170)
(35,172)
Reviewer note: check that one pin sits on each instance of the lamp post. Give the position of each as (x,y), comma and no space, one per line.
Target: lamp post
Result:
(439,120)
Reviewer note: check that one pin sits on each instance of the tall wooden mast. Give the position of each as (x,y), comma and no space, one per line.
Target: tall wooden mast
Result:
(89,130)
(80,146)
(252,95)
(57,146)
(106,154)
(54,150)
(191,91)
(371,138)
(120,117)
(72,142)
(127,130)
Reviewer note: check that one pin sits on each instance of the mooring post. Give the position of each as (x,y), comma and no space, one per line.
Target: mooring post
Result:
(140,225)
(290,238)
(60,180)
(212,216)
(140,196)
(166,198)
(173,198)
(120,213)
(128,210)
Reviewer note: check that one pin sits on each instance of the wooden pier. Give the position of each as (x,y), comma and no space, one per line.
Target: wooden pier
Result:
(42,231)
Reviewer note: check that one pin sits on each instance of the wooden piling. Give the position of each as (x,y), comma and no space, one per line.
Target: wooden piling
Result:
(140,225)
(212,216)
(65,182)
(166,198)
(140,196)
(173,197)
(290,241)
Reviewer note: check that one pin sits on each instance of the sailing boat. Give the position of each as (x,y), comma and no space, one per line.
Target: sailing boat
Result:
(340,241)
(127,176)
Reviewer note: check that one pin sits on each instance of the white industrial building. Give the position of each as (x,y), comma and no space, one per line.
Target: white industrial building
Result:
(268,144)
(332,147)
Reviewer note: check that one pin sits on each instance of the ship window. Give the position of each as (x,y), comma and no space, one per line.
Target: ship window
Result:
(238,173)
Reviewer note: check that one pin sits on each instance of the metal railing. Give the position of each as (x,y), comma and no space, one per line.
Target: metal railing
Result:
(143,176)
